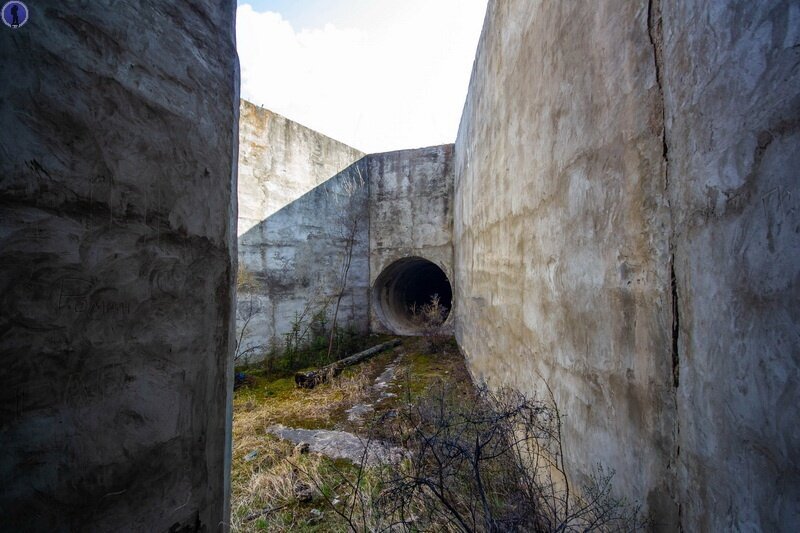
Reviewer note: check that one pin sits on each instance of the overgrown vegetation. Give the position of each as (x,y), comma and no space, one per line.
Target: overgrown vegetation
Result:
(267,400)
(311,341)
(317,334)
(474,460)
(487,461)
(429,318)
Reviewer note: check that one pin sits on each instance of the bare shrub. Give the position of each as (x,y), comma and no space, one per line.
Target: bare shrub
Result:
(245,279)
(490,462)
(247,308)
(348,221)
(430,318)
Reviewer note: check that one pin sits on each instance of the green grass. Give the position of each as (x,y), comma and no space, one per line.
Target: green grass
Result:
(311,354)
(271,398)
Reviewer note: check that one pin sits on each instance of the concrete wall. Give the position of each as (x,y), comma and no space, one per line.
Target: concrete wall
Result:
(117,214)
(411,212)
(299,191)
(280,161)
(298,254)
(732,97)
(648,273)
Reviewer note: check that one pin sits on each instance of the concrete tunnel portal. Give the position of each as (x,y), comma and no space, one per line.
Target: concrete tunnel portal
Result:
(407,283)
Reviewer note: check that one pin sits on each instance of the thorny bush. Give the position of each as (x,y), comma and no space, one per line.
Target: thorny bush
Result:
(488,461)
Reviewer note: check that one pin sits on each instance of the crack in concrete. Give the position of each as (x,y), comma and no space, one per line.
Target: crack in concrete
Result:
(676,323)
(655,31)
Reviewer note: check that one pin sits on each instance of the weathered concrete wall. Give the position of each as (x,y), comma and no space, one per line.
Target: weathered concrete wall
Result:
(117,214)
(280,161)
(732,93)
(400,203)
(649,274)
(561,252)
(299,253)
(411,212)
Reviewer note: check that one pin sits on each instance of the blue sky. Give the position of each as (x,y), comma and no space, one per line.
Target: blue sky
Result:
(377,74)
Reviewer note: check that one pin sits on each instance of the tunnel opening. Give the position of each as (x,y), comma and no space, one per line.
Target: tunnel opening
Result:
(407,284)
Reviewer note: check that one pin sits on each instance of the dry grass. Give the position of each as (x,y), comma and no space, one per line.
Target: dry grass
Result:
(465,470)
(279,402)
(267,481)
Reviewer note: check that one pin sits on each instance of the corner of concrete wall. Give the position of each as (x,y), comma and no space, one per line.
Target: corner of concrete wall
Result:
(411,212)
(117,200)
(233,217)
(291,242)
(560,249)
(280,161)
(298,190)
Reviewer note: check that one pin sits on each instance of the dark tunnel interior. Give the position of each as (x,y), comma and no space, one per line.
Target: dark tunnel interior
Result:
(406,284)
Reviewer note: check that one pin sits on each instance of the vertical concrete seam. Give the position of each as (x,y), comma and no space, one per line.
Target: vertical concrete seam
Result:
(367,159)
(676,323)
(655,31)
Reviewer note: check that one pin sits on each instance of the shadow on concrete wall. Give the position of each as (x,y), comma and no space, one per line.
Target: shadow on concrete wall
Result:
(295,261)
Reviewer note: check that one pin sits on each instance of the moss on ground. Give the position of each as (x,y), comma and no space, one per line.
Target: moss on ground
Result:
(266,480)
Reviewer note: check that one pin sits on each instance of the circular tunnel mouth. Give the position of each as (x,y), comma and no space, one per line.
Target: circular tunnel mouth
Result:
(406,285)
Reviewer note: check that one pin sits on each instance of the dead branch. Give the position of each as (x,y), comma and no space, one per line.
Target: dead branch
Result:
(309,380)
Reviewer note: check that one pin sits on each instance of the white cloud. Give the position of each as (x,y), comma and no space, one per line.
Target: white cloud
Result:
(395,77)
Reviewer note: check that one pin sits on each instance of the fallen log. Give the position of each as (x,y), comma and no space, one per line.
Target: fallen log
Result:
(309,380)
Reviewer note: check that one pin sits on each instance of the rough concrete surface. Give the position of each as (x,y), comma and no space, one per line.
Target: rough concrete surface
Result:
(618,218)
(298,255)
(626,228)
(299,194)
(117,217)
(281,160)
(560,245)
(296,203)
(411,215)
(732,93)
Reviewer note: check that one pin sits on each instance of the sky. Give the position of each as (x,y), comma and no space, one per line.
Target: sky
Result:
(378,75)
